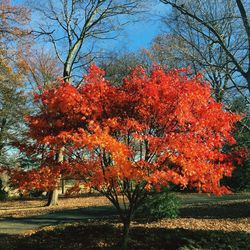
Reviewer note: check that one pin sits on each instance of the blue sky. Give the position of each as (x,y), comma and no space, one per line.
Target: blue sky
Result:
(140,34)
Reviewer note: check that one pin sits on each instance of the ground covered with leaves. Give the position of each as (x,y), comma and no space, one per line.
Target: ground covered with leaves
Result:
(30,207)
(204,223)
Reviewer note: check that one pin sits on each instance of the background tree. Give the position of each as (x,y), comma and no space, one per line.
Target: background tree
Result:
(118,65)
(12,110)
(216,35)
(169,50)
(162,128)
(43,68)
(74,26)
(13,29)
(14,22)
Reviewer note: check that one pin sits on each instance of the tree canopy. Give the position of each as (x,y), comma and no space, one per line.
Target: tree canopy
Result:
(153,130)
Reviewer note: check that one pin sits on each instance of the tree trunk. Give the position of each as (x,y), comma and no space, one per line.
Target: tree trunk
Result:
(53,198)
(125,236)
(53,195)
(63,185)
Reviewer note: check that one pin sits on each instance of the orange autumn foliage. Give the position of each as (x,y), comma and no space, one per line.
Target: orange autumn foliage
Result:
(153,130)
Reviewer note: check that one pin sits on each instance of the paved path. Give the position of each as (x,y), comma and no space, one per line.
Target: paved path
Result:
(9,225)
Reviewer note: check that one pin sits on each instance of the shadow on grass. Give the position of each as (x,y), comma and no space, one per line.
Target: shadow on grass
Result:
(101,235)
(9,225)
(217,211)
(194,198)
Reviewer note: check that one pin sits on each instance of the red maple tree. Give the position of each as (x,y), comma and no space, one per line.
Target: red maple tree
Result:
(125,141)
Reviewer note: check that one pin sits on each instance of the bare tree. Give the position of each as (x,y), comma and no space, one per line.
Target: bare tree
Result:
(74,26)
(43,68)
(168,50)
(118,64)
(217,35)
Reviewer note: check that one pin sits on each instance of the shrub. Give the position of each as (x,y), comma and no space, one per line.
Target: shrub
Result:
(160,205)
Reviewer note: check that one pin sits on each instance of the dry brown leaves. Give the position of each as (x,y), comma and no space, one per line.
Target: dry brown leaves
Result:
(229,225)
(27,208)
(36,207)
